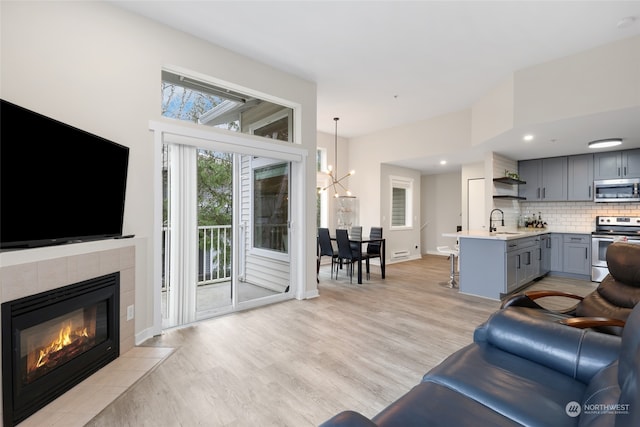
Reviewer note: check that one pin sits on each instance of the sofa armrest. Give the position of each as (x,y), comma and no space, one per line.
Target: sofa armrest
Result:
(348,419)
(578,353)
(591,322)
(528,299)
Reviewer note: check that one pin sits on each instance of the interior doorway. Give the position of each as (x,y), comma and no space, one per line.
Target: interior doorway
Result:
(476,204)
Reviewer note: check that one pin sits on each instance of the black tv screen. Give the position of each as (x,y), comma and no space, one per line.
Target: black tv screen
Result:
(58,184)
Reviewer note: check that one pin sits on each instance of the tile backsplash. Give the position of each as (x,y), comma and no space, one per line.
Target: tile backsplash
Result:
(577,216)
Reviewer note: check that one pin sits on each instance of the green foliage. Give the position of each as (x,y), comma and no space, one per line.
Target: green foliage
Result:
(214,188)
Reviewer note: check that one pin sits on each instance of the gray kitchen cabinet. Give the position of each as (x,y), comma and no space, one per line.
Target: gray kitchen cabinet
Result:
(576,254)
(633,164)
(617,164)
(546,179)
(528,248)
(545,254)
(494,268)
(580,177)
(529,171)
(523,263)
(512,266)
(557,247)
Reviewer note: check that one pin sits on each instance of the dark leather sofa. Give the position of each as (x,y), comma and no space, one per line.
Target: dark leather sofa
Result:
(525,370)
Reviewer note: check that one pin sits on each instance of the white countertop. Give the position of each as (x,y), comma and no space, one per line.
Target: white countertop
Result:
(507,234)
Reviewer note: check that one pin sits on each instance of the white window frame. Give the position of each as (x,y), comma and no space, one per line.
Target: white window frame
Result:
(322,152)
(285,112)
(267,253)
(407,185)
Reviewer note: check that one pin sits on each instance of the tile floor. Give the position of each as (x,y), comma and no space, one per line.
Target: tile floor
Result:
(83,402)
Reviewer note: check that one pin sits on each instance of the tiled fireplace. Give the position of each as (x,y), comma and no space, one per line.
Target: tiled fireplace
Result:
(80,299)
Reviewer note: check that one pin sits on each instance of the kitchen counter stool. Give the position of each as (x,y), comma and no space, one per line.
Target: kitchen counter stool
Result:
(453,255)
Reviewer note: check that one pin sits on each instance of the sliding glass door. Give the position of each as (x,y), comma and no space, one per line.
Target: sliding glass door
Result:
(225,232)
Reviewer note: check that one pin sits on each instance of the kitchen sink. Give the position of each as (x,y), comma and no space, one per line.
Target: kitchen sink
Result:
(507,232)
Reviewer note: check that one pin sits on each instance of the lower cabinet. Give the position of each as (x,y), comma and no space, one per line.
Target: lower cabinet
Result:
(523,261)
(494,268)
(545,254)
(576,254)
(513,263)
(557,248)
(529,249)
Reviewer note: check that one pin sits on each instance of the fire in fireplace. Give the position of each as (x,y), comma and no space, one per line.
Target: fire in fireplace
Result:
(53,340)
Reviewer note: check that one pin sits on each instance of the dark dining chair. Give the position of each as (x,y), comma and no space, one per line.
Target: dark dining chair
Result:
(355,233)
(346,254)
(326,249)
(373,248)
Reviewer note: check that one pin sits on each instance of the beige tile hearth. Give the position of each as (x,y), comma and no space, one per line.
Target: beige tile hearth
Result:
(83,402)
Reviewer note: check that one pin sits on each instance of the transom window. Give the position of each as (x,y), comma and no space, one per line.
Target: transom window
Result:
(189,99)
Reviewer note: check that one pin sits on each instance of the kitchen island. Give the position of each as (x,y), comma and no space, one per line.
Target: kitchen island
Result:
(495,264)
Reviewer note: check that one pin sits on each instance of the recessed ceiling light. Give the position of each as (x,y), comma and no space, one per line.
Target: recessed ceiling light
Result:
(528,137)
(603,143)
(443,162)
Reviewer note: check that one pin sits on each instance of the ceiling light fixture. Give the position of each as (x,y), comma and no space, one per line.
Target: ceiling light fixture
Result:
(528,137)
(443,162)
(333,173)
(603,143)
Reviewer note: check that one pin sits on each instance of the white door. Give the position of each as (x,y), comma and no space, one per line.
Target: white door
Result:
(476,203)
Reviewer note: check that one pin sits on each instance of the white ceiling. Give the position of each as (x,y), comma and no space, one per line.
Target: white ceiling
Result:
(380,64)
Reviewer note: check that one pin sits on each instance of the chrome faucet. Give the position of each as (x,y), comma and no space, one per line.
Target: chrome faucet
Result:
(491,227)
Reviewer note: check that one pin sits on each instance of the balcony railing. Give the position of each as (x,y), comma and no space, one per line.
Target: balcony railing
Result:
(214,254)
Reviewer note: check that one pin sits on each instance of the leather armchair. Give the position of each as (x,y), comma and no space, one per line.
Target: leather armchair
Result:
(614,298)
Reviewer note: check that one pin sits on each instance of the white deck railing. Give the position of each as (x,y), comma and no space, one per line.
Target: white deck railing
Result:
(214,254)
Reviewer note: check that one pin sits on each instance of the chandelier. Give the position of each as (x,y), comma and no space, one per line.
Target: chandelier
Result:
(333,173)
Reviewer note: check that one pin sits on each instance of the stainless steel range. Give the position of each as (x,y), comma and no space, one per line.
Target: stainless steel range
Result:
(610,229)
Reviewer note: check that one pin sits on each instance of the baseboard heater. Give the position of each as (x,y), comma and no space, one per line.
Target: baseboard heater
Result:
(400,254)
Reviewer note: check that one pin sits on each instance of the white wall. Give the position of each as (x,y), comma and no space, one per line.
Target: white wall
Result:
(98,68)
(368,154)
(441,210)
(492,114)
(470,171)
(600,79)
(405,239)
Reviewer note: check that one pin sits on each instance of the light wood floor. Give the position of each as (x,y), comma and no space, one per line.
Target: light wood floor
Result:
(298,363)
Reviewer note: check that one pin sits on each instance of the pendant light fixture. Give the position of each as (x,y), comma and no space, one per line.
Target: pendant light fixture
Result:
(333,173)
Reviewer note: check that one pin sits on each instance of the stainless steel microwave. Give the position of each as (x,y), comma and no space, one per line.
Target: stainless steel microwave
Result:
(616,190)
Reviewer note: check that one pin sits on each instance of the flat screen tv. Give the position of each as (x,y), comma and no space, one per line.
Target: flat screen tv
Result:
(58,184)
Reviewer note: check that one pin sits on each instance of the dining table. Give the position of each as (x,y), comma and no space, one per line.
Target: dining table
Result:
(361,241)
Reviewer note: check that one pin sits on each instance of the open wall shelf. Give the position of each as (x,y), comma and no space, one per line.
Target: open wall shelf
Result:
(508,181)
(508,197)
(511,181)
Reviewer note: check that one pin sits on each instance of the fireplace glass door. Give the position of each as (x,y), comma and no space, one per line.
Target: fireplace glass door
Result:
(52,343)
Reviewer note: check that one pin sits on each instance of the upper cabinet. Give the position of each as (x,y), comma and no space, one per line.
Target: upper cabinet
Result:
(546,179)
(580,177)
(617,164)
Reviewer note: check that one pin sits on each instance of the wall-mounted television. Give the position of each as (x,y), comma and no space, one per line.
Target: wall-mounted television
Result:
(58,184)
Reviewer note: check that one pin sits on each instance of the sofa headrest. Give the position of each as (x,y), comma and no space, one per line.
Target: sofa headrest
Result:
(623,261)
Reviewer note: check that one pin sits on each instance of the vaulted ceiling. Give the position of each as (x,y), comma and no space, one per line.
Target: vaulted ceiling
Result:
(381,64)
